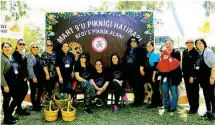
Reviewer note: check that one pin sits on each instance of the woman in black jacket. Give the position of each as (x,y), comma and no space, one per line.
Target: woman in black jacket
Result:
(134,68)
(9,74)
(189,58)
(20,58)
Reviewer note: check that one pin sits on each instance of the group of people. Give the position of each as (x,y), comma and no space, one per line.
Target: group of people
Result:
(139,66)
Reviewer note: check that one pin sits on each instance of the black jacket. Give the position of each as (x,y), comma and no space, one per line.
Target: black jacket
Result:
(188,62)
(177,73)
(22,64)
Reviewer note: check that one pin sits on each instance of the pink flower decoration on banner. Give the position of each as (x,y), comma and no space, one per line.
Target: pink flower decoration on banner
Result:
(52,19)
(145,17)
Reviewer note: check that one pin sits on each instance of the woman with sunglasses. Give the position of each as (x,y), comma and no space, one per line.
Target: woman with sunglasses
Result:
(48,59)
(20,58)
(83,72)
(36,76)
(134,69)
(117,78)
(64,67)
(9,74)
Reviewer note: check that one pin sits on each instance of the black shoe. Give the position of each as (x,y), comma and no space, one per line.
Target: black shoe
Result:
(23,112)
(36,108)
(210,116)
(14,118)
(9,121)
(169,110)
(89,111)
(206,114)
(151,106)
(191,112)
(173,110)
(137,104)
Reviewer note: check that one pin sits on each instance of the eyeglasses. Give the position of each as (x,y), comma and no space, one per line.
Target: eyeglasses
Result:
(188,42)
(35,47)
(21,44)
(48,45)
(149,46)
(7,47)
(83,57)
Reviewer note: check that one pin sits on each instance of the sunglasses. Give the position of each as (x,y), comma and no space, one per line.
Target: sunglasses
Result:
(35,47)
(49,45)
(21,44)
(133,40)
(7,47)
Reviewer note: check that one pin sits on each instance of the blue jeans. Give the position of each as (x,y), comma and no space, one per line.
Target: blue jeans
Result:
(166,86)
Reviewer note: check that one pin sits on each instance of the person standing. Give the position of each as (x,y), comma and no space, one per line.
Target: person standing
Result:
(48,58)
(151,63)
(9,74)
(134,61)
(36,76)
(189,58)
(173,80)
(64,67)
(21,59)
(205,66)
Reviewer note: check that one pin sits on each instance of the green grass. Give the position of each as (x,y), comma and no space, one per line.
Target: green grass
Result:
(127,116)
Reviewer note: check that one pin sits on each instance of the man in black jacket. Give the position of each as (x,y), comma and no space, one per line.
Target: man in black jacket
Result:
(189,59)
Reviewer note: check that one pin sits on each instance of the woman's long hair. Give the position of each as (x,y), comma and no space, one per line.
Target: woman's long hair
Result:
(129,42)
(87,59)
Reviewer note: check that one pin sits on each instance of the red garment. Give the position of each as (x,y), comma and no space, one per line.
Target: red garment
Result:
(167,65)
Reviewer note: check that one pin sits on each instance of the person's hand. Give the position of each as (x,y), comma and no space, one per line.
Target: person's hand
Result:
(191,80)
(47,77)
(153,78)
(99,89)
(60,80)
(120,83)
(212,80)
(35,80)
(142,72)
(6,89)
(72,75)
(98,92)
(25,79)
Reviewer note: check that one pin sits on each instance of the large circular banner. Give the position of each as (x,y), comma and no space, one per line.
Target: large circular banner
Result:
(100,34)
